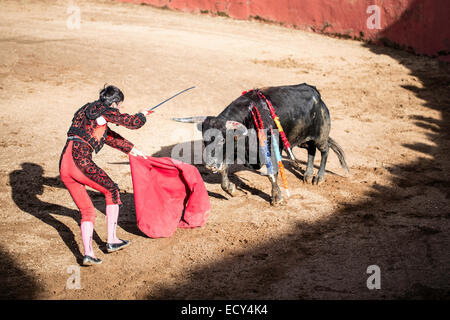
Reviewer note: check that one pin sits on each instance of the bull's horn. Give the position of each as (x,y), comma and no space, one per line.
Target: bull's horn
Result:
(191,119)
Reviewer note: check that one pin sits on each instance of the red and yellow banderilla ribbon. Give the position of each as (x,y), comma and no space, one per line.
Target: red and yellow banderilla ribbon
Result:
(263,142)
(275,118)
(276,149)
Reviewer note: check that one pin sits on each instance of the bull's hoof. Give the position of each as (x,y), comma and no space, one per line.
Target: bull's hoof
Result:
(308,178)
(230,189)
(276,201)
(318,180)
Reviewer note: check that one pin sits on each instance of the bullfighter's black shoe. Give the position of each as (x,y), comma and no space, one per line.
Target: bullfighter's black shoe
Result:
(89,261)
(111,247)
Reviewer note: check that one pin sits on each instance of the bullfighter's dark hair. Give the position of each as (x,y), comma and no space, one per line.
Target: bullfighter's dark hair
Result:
(110,94)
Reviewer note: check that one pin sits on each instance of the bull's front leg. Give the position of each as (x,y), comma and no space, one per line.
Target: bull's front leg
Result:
(227,186)
(277,197)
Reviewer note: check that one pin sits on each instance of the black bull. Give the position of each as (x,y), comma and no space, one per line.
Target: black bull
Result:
(303,115)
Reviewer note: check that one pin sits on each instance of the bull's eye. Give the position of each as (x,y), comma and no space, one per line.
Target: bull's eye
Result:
(220,140)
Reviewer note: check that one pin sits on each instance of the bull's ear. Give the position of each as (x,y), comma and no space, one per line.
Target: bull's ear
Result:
(199,126)
(234,125)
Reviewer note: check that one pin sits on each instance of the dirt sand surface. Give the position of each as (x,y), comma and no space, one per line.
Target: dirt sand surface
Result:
(390,113)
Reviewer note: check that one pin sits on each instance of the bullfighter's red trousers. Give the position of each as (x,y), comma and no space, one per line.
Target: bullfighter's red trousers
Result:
(77,171)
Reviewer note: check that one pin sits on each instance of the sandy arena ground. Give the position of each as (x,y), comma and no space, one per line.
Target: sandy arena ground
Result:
(390,113)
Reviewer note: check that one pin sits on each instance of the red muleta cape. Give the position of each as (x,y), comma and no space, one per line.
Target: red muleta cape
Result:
(167,194)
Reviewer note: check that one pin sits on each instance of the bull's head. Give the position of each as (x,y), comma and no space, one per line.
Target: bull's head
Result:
(215,132)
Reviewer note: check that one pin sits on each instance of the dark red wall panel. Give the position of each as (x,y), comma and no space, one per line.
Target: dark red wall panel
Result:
(422,26)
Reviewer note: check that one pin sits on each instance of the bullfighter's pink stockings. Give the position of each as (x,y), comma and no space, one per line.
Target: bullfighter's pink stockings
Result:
(112,214)
(87,230)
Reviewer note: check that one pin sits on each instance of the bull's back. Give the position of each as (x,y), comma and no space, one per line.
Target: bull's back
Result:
(293,101)
(303,114)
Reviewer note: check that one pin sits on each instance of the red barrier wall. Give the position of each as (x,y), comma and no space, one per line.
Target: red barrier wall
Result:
(422,26)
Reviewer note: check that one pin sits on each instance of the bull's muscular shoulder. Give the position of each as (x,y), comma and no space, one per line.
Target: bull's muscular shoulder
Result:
(303,88)
(294,94)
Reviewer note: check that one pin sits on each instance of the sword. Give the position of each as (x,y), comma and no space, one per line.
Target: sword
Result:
(171,97)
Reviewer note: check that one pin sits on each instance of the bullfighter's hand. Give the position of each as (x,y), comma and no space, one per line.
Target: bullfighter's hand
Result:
(135,152)
(146,111)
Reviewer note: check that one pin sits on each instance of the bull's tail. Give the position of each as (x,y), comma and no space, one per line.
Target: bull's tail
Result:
(339,152)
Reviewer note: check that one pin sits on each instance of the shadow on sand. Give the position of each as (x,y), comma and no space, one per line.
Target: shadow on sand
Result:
(28,183)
